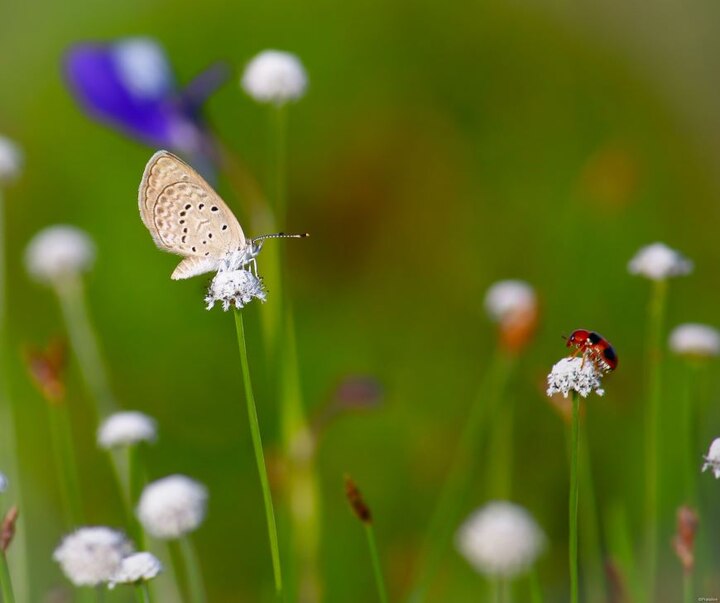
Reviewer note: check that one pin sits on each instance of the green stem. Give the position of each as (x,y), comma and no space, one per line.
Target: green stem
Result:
(573,503)
(689,418)
(536,595)
(653,422)
(462,470)
(84,343)
(179,569)
(377,566)
(136,481)
(5,581)
(100,593)
(259,454)
(193,572)
(278,161)
(688,596)
(62,441)
(142,593)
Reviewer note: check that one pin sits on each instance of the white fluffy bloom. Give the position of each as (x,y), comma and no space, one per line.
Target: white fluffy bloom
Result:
(713,458)
(126,428)
(509,298)
(693,339)
(11,160)
(235,287)
(58,251)
(574,374)
(658,262)
(500,540)
(138,567)
(274,76)
(172,506)
(92,556)
(143,66)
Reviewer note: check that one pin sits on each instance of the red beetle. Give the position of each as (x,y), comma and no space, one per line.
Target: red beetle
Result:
(595,347)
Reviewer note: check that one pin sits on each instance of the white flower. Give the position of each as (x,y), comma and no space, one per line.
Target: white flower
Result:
(500,539)
(125,428)
(509,298)
(172,506)
(92,556)
(3,482)
(658,262)
(235,287)
(143,67)
(713,458)
(11,160)
(693,339)
(574,374)
(136,568)
(58,251)
(274,76)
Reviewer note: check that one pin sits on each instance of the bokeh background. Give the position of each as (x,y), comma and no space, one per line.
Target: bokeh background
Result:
(440,147)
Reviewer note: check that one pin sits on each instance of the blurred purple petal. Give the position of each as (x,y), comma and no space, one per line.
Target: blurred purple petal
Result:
(203,85)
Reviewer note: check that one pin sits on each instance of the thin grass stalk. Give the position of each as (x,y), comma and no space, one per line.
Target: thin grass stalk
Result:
(573,499)
(85,344)
(536,595)
(688,591)
(690,460)
(653,422)
(179,569)
(500,450)
(142,593)
(446,514)
(377,565)
(259,454)
(9,452)
(100,593)
(196,586)
(136,482)
(5,581)
(64,452)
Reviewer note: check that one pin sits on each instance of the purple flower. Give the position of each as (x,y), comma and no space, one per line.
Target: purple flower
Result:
(129,84)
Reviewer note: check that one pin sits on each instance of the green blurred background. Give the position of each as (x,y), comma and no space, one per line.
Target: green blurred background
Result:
(440,147)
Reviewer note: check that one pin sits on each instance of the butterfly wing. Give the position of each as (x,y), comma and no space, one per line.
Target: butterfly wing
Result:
(186,216)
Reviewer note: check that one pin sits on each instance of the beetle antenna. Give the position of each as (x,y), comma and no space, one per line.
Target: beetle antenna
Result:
(563,336)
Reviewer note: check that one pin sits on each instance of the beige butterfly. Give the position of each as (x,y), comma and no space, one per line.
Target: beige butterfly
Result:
(186,216)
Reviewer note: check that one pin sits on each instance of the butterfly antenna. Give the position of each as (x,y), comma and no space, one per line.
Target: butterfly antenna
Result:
(282,235)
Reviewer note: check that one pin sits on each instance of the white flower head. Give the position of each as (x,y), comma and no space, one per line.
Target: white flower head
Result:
(500,540)
(135,568)
(505,299)
(11,160)
(696,340)
(235,287)
(274,76)
(143,67)
(172,506)
(92,556)
(574,374)
(4,482)
(713,458)
(58,251)
(658,262)
(126,428)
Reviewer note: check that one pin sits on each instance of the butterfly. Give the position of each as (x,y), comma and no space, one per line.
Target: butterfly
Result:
(187,217)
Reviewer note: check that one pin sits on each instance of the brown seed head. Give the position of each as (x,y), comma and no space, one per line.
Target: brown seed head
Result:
(46,368)
(684,541)
(356,501)
(7,530)
(517,329)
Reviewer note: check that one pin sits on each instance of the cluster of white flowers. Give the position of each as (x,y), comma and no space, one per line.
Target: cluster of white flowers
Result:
(235,287)
(500,540)
(658,262)
(505,299)
(138,567)
(696,340)
(173,506)
(274,76)
(126,428)
(92,556)
(11,160)
(712,460)
(58,251)
(574,374)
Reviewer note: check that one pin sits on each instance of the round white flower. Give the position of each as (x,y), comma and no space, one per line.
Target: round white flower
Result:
(58,251)
(658,262)
(500,540)
(574,374)
(143,66)
(509,298)
(138,567)
(235,287)
(274,76)
(693,339)
(11,160)
(713,458)
(172,506)
(92,556)
(126,428)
